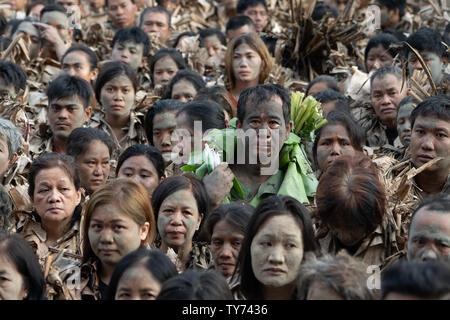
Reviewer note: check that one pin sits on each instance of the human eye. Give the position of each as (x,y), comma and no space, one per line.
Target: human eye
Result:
(441,135)
(124,295)
(237,243)
(95,226)
(291,245)
(109,89)
(265,243)
(156,133)
(133,51)
(345,143)
(119,227)
(126,90)
(42,190)
(419,131)
(324,143)
(188,213)
(217,242)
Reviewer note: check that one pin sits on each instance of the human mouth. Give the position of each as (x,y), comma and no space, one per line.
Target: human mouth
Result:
(424,158)
(107,252)
(388,110)
(274,271)
(55,210)
(116,107)
(97,182)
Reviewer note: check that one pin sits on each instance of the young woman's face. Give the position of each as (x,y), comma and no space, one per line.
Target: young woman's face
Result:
(226,241)
(12,284)
(113,234)
(141,169)
(334,141)
(184,91)
(378,57)
(117,96)
(277,251)
(246,63)
(55,196)
(137,283)
(94,166)
(178,219)
(165,69)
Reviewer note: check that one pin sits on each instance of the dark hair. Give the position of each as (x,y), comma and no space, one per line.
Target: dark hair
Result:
(106,3)
(237,214)
(157,9)
(21,255)
(254,96)
(426,39)
(33,4)
(351,193)
(110,71)
(238,22)
(155,261)
(355,132)
(53,7)
(219,95)
(204,33)
(329,80)
(245,4)
(331,95)
(133,34)
(196,285)
(434,106)
(160,106)
(181,35)
(384,39)
(438,202)
(13,74)
(172,53)
(3,24)
(187,181)
(67,86)
(151,153)
(394,4)
(426,280)
(268,208)
(6,206)
(384,71)
(80,139)
(321,9)
(17,22)
(209,113)
(92,58)
(406,100)
(188,75)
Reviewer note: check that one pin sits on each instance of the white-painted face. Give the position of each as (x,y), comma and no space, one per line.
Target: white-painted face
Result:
(246,63)
(433,61)
(12,284)
(277,251)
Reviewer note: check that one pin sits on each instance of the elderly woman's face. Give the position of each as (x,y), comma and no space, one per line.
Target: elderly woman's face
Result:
(178,219)
(277,251)
(334,142)
(55,196)
(12,285)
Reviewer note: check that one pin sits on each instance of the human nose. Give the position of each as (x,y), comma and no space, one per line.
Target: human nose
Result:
(106,236)
(416,65)
(429,255)
(63,114)
(98,170)
(71,72)
(276,255)
(211,51)
(166,139)
(176,218)
(427,143)
(227,251)
(55,196)
(336,149)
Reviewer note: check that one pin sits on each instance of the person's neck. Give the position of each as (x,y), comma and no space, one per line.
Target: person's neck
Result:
(241,86)
(431,182)
(117,122)
(278,293)
(249,172)
(391,124)
(60,144)
(182,251)
(106,272)
(54,231)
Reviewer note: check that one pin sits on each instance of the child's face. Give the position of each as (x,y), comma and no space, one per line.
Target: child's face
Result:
(128,52)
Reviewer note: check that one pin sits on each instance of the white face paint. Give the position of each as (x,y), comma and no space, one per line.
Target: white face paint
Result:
(246,63)
(433,61)
(277,251)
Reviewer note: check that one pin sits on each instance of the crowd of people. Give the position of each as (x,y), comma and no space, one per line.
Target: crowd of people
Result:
(156,149)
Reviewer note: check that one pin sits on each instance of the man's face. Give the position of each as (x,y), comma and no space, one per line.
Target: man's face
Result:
(163,126)
(267,116)
(66,114)
(76,63)
(404,123)
(129,52)
(258,14)
(122,13)
(59,21)
(433,61)
(231,34)
(156,22)
(35,38)
(430,138)
(429,236)
(385,95)
(17,5)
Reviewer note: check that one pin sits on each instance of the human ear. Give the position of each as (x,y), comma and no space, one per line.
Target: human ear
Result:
(199,221)
(94,74)
(143,231)
(87,113)
(12,160)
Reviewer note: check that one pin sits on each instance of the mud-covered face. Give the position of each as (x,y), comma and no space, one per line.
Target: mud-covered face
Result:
(404,123)
(138,283)
(141,169)
(117,96)
(59,21)
(157,23)
(163,126)
(12,284)
(183,91)
(76,63)
(122,13)
(259,16)
(129,52)
(433,61)
(247,63)
(35,38)
(378,57)
(165,69)
(213,45)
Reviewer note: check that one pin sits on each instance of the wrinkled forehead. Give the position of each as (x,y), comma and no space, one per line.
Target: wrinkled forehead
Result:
(55,18)
(387,81)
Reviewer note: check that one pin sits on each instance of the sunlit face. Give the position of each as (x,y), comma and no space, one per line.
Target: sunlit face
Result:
(76,63)
(117,96)
(113,234)
(386,94)
(35,41)
(404,123)
(378,57)
(164,70)
(122,13)
(137,283)
(12,284)
(94,166)
(59,21)
(429,236)
(277,251)
(141,169)
(163,126)
(66,114)
(212,45)
(319,290)
(430,138)
(226,241)
(55,196)
(183,91)
(178,219)
(247,64)
(259,16)
(432,60)
(156,23)
(334,142)
(130,53)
